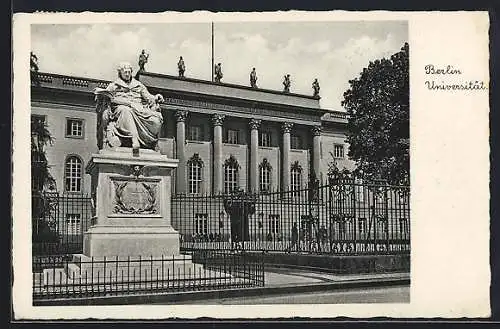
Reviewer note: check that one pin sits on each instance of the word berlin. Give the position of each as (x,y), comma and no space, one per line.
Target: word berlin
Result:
(466,85)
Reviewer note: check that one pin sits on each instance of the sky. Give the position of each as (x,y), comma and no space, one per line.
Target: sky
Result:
(333,52)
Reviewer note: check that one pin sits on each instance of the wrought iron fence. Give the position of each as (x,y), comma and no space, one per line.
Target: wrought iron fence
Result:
(59,221)
(62,277)
(344,216)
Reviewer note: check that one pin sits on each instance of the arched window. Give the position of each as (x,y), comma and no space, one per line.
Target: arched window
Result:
(195,178)
(265,170)
(73,169)
(295,176)
(231,167)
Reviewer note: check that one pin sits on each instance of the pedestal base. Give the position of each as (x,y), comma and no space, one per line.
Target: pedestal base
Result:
(134,241)
(111,270)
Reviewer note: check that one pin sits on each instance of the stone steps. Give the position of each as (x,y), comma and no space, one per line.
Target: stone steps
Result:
(127,269)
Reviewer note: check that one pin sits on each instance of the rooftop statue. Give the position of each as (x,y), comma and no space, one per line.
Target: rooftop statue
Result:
(182,67)
(33,62)
(253,78)
(34,69)
(128,115)
(286,83)
(143,59)
(218,72)
(315,86)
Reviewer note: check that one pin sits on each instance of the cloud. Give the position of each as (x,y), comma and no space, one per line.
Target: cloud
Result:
(94,50)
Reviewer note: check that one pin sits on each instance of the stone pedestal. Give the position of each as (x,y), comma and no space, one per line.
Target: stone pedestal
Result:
(132,200)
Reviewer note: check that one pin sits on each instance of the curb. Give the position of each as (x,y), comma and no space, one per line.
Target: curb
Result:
(228,293)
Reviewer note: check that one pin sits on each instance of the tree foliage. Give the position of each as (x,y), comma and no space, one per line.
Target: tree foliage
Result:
(40,137)
(377,104)
(43,230)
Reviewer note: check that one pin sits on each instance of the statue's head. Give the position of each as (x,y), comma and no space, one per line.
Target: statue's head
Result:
(125,71)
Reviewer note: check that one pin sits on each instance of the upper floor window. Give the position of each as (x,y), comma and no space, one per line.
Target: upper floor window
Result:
(74,128)
(195,133)
(231,168)
(295,142)
(265,139)
(338,151)
(232,136)
(73,169)
(265,176)
(195,165)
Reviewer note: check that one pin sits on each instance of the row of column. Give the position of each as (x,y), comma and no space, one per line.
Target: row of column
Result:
(218,170)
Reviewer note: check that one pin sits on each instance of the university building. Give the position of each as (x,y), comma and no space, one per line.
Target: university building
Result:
(225,136)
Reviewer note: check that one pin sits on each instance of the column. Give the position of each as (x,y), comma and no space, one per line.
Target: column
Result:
(254,155)
(316,156)
(286,127)
(180,144)
(217,184)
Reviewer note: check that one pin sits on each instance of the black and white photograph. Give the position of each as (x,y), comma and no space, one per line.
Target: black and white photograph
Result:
(197,157)
(227,162)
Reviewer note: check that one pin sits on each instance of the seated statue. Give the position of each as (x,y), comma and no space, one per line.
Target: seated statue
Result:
(128,115)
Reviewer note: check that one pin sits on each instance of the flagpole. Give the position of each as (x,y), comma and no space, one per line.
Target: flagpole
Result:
(212,51)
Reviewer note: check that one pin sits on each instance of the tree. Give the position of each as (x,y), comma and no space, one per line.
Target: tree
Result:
(43,230)
(377,104)
(40,137)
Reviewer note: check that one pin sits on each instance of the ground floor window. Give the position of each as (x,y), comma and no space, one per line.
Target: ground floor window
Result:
(73,224)
(201,223)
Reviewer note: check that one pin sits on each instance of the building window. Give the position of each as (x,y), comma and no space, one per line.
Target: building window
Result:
(231,168)
(295,142)
(265,176)
(274,224)
(194,133)
(295,177)
(195,179)
(232,136)
(73,224)
(360,190)
(265,139)
(74,128)
(201,223)
(73,174)
(338,151)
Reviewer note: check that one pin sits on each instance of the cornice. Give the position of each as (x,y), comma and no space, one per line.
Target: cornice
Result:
(61,89)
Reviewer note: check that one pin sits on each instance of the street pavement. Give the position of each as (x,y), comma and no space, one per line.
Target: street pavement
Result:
(398,294)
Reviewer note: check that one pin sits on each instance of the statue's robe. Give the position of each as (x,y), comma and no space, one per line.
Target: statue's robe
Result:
(135,111)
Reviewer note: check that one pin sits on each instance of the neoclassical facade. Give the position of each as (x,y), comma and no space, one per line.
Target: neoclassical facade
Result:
(225,136)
